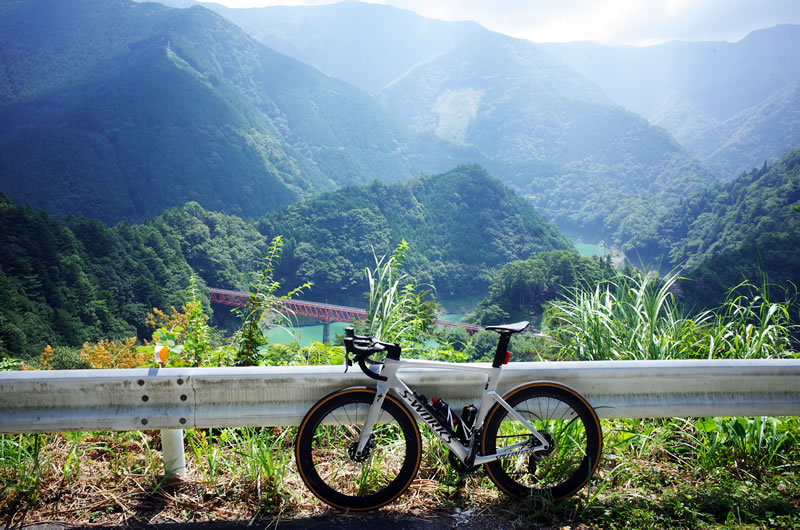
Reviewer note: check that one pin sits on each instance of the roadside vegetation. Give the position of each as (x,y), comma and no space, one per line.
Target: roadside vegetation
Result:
(676,472)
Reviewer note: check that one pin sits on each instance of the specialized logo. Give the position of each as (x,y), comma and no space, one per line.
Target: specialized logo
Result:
(426,416)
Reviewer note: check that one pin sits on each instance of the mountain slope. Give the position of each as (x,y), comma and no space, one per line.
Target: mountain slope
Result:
(585,162)
(726,218)
(367,45)
(460,226)
(155,136)
(763,132)
(175,105)
(63,283)
(699,90)
(66,282)
(604,167)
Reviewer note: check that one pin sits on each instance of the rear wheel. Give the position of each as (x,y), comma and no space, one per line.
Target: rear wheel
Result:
(565,420)
(326,444)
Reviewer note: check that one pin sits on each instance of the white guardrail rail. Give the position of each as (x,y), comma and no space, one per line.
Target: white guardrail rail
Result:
(172,399)
(180,398)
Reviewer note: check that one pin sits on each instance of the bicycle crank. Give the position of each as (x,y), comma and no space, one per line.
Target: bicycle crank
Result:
(460,466)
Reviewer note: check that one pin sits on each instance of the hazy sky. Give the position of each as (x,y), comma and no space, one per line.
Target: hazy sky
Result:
(610,21)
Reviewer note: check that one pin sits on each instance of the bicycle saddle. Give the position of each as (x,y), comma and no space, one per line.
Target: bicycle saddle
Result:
(509,328)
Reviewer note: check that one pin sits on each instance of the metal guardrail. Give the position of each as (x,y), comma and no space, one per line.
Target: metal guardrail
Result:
(173,399)
(180,398)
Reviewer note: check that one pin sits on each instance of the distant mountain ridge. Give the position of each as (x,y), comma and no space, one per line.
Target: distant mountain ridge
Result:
(332,37)
(698,91)
(145,107)
(584,161)
(709,95)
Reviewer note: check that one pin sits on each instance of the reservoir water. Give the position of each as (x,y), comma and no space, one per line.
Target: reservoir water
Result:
(306,334)
(590,249)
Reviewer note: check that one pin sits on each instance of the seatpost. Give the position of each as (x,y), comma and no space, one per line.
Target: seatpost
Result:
(502,348)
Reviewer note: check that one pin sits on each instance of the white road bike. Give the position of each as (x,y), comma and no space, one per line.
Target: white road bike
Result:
(359,448)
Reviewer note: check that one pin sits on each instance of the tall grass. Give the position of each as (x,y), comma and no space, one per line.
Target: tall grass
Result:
(636,316)
(22,460)
(387,306)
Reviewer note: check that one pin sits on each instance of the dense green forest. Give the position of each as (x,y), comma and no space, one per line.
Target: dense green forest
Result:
(75,280)
(728,216)
(460,226)
(64,283)
(746,229)
(470,237)
(118,110)
(521,288)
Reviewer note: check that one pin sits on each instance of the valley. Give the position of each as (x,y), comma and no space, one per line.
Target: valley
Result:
(197,134)
(179,176)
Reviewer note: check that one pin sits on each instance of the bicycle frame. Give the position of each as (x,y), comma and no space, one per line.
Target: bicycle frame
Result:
(399,389)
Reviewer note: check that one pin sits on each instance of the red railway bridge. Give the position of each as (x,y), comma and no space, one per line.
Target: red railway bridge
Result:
(325,313)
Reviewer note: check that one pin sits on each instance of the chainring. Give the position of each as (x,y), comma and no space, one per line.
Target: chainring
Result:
(459,466)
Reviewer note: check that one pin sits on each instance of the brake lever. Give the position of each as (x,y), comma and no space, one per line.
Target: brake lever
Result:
(347,362)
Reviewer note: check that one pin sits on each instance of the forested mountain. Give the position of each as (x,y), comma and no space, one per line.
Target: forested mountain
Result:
(763,132)
(521,288)
(712,96)
(742,230)
(586,163)
(725,217)
(64,283)
(114,109)
(460,227)
(589,165)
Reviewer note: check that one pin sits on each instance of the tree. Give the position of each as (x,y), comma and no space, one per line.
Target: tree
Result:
(263,307)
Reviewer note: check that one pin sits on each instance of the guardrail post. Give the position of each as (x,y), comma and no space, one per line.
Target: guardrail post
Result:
(173,453)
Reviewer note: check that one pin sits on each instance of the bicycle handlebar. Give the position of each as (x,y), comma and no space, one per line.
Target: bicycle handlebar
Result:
(362,347)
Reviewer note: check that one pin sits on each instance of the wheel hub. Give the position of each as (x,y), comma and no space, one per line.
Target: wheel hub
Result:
(365,454)
(541,453)
(536,456)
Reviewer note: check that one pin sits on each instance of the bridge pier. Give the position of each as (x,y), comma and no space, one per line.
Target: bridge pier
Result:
(326,332)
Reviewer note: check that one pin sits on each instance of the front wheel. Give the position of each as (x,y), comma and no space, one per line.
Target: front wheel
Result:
(569,424)
(326,443)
